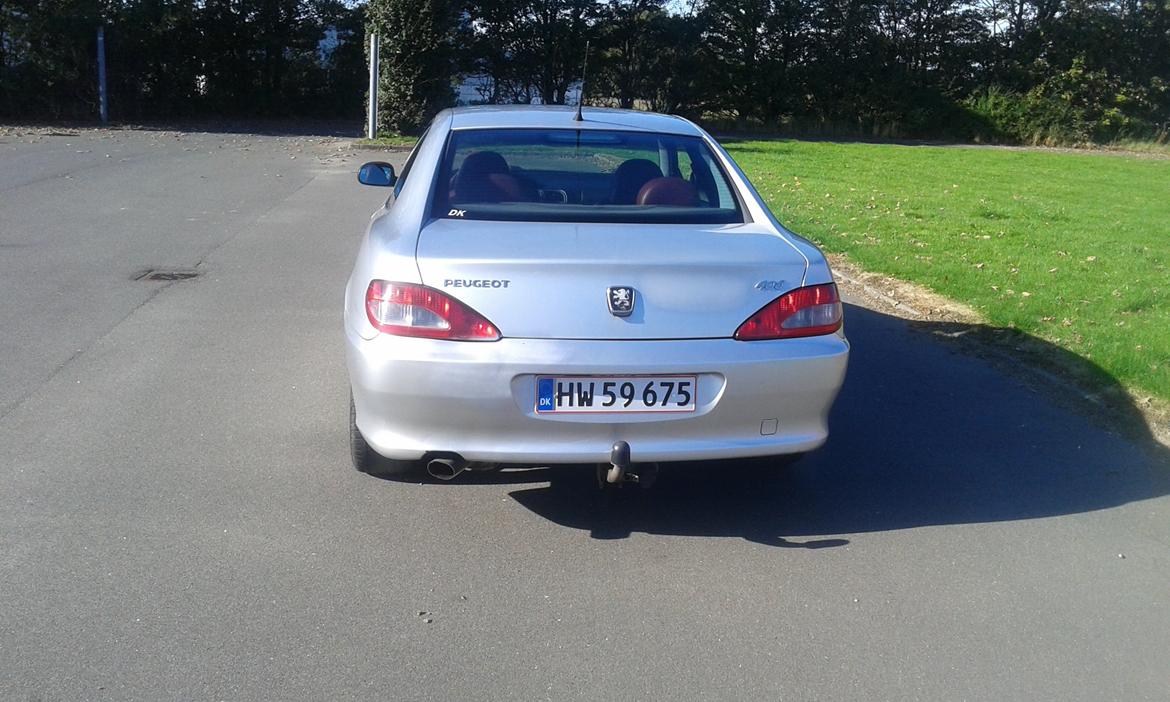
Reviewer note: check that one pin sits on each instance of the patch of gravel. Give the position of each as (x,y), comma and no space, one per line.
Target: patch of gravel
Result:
(1092,150)
(906,300)
(322,149)
(357,145)
(1043,366)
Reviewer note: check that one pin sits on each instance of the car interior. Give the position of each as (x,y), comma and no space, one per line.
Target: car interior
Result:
(486,177)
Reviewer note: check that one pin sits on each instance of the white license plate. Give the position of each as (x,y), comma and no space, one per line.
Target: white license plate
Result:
(615,394)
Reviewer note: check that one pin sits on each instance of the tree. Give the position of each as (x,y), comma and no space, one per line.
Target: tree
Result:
(500,38)
(678,79)
(417,58)
(1056,71)
(629,46)
(48,67)
(532,47)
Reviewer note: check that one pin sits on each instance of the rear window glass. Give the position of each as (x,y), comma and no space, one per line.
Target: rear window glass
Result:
(570,175)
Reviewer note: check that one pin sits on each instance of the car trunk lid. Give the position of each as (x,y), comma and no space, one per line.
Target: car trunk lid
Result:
(551,280)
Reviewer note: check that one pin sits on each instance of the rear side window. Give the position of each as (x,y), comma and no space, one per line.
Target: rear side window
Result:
(409,162)
(569,175)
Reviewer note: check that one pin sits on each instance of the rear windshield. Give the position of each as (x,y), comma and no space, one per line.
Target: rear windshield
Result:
(571,175)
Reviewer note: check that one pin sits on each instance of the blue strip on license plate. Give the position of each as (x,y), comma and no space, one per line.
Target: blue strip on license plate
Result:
(615,394)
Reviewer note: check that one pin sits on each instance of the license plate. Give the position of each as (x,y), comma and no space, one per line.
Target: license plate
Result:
(615,394)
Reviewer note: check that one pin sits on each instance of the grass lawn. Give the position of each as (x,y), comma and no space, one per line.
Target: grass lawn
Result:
(1069,247)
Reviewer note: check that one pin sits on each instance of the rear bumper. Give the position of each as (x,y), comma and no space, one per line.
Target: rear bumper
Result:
(414,396)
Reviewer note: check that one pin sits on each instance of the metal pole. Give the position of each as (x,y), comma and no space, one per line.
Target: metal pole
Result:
(101,59)
(372,127)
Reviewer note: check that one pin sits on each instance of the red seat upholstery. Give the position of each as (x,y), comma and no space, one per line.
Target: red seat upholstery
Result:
(674,192)
(484,176)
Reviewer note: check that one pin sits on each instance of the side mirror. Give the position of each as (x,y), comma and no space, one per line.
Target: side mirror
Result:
(377,173)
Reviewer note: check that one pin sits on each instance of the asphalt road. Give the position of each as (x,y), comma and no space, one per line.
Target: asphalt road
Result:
(178,518)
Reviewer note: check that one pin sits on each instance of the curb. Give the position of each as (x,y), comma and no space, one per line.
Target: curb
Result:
(377,147)
(875,293)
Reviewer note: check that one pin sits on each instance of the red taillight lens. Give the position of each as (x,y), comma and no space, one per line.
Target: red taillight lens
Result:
(810,311)
(406,309)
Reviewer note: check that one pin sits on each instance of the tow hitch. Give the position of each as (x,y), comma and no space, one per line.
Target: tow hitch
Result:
(620,470)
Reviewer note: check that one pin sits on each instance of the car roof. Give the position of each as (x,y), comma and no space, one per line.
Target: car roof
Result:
(561,117)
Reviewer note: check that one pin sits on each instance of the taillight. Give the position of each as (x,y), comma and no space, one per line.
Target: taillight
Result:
(406,309)
(810,311)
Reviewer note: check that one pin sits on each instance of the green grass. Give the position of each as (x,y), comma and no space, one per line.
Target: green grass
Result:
(1072,248)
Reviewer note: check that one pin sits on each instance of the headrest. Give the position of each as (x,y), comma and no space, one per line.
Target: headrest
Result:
(481,162)
(629,178)
(668,191)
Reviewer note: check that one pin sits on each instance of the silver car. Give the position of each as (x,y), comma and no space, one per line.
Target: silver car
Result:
(607,288)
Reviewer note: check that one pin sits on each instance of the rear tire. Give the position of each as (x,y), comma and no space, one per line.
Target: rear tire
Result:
(366,460)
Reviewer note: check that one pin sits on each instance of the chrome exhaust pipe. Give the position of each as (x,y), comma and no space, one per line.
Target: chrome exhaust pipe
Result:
(446,468)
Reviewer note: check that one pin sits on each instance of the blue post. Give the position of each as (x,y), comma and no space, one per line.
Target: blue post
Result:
(101,60)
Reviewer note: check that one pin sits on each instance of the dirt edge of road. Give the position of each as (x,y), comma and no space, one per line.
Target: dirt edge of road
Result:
(1042,366)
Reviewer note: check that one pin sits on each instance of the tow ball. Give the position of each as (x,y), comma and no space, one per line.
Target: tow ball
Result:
(620,470)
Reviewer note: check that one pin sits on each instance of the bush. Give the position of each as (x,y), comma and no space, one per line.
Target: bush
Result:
(1026,118)
(1070,107)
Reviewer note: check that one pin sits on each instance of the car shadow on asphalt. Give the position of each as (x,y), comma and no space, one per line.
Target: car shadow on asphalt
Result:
(924,433)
